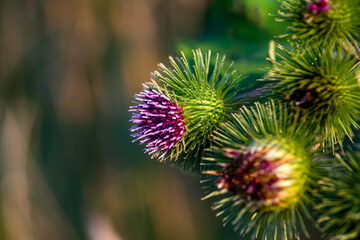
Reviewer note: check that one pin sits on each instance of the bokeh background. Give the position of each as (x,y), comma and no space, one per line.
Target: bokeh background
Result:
(68,72)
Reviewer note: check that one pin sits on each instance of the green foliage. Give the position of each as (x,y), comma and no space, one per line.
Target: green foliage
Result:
(322,86)
(257,12)
(206,93)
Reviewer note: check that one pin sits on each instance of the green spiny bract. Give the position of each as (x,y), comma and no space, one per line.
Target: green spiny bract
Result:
(339,196)
(262,171)
(207,93)
(324,22)
(322,86)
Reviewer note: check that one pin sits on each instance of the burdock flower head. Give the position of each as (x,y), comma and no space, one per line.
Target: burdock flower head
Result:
(158,122)
(267,172)
(175,119)
(322,86)
(324,22)
(262,172)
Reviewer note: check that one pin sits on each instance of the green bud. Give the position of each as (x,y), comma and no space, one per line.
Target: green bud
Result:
(324,22)
(321,85)
(207,92)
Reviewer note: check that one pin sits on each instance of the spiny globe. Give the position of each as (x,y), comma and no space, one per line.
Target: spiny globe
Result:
(184,106)
(260,172)
(322,22)
(322,86)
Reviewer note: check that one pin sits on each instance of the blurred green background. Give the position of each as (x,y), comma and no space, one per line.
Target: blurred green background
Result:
(68,72)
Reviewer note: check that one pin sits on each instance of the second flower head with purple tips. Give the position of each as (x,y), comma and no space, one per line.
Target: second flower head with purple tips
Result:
(158,122)
(318,6)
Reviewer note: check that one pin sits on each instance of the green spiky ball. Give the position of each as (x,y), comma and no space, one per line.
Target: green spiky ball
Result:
(336,23)
(261,172)
(207,91)
(322,86)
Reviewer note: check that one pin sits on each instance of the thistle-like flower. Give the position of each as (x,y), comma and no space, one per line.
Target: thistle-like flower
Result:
(262,173)
(323,21)
(158,122)
(339,196)
(177,117)
(322,85)
(266,172)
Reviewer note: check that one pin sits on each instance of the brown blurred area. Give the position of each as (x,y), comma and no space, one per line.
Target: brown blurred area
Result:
(68,71)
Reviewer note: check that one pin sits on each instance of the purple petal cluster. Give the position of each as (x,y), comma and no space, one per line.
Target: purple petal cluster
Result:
(158,122)
(251,176)
(318,7)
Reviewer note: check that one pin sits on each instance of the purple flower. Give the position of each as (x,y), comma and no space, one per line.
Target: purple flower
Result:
(158,122)
(267,173)
(318,7)
(252,176)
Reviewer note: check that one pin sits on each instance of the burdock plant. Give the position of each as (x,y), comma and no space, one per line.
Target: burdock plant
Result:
(269,167)
(263,169)
(177,116)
